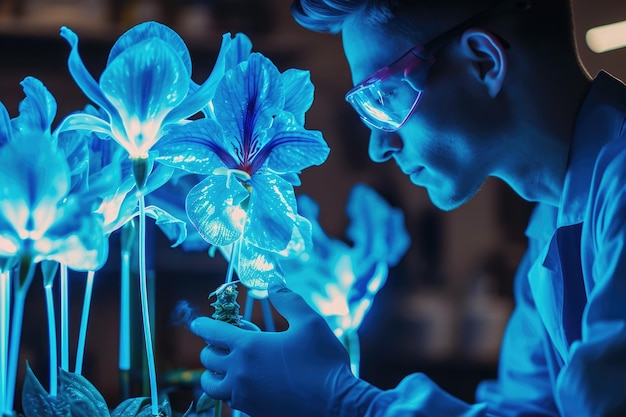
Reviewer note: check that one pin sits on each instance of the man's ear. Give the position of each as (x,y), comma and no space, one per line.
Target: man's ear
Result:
(489,57)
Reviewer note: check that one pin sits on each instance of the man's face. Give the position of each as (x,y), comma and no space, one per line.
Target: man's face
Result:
(444,144)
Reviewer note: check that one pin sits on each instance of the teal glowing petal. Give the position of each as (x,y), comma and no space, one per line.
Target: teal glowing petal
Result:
(213,206)
(39,218)
(298,92)
(232,52)
(145,87)
(378,233)
(144,83)
(194,147)
(294,148)
(85,81)
(120,205)
(151,30)
(87,122)
(301,238)
(5,126)
(38,109)
(75,239)
(245,102)
(271,212)
(28,197)
(256,267)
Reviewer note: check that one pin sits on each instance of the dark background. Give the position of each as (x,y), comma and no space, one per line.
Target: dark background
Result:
(445,305)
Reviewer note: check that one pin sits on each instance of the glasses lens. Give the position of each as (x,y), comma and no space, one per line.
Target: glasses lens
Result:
(385,104)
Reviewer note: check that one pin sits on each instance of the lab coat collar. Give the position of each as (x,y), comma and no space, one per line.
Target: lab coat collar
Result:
(599,120)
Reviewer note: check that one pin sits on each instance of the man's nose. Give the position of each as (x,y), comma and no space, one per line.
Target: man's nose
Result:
(383,145)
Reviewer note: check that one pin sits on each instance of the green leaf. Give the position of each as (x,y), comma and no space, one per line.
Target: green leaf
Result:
(36,402)
(130,407)
(83,398)
(205,403)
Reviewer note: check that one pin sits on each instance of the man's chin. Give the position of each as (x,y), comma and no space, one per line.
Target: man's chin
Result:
(448,201)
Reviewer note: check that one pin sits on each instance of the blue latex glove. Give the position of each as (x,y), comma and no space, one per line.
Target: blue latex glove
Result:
(303,371)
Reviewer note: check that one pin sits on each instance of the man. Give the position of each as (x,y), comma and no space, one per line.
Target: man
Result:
(470,89)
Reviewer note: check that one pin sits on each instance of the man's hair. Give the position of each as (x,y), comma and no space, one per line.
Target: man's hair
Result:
(547,23)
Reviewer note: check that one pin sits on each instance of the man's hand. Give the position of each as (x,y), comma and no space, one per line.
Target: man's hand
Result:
(303,371)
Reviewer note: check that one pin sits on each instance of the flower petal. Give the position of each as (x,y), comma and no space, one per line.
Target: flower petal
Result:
(246,101)
(84,80)
(25,194)
(144,83)
(38,109)
(76,238)
(271,212)
(256,267)
(213,206)
(148,30)
(74,145)
(298,92)
(378,233)
(197,147)
(5,126)
(232,52)
(293,148)
(175,229)
(84,121)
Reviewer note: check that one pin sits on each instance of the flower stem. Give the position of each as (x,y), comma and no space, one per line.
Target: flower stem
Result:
(143,283)
(52,337)
(234,257)
(84,319)
(23,281)
(268,319)
(249,307)
(5,314)
(127,242)
(65,302)
(351,342)
(217,411)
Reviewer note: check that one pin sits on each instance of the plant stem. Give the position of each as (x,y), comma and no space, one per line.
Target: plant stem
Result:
(65,302)
(249,307)
(127,243)
(217,411)
(5,314)
(351,342)
(143,282)
(84,319)
(52,337)
(23,281)
(268,319)
(234,257)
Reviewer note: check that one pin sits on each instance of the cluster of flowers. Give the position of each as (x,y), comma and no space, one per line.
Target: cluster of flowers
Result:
(222,156)
(237,141)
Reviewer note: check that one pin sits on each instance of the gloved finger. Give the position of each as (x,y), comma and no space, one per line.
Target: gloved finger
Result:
(215,386)
(215,359)
(289,304)
(215,332)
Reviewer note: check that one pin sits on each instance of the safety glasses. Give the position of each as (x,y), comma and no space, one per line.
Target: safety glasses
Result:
(386,99)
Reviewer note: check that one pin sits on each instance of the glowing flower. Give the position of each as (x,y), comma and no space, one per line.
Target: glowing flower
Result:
(110,175)
(146,85)
(43,213)
(341,280)
(250,148)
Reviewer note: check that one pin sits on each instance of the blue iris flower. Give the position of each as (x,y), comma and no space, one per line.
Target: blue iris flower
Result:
(250,148)
(45,213)
(146,85)
(340,280)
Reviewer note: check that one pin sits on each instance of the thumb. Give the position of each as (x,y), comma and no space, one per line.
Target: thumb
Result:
(289,304)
